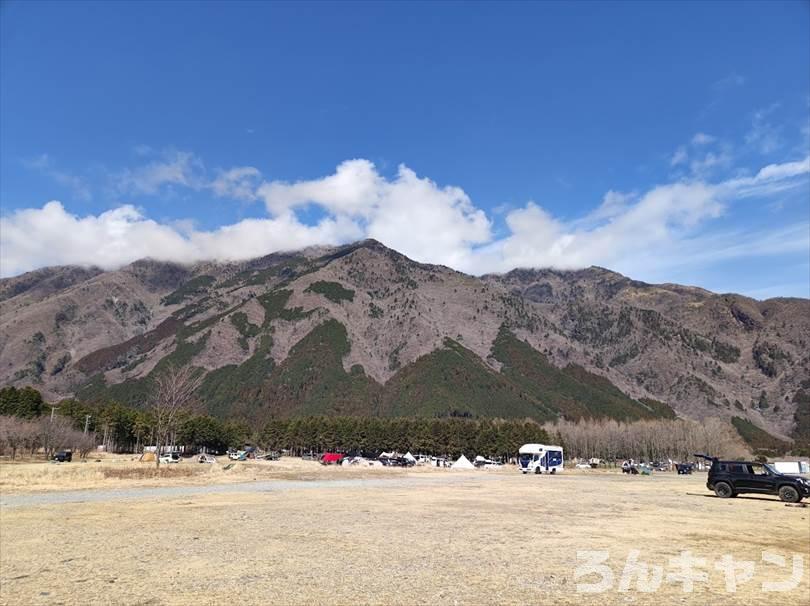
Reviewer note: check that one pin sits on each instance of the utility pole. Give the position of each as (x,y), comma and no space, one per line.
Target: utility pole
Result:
(86,423)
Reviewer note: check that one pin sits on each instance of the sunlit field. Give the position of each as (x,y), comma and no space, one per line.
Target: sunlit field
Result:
(374,536)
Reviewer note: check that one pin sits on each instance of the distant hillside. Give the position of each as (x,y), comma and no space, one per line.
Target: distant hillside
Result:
(363,330)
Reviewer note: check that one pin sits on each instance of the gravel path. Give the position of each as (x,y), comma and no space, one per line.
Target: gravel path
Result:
(127,494)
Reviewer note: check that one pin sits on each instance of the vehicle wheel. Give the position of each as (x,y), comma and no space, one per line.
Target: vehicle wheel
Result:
(789,494)
(723,490)
(538,471)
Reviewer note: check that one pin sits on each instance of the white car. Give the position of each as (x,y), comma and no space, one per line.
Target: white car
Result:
(170,457)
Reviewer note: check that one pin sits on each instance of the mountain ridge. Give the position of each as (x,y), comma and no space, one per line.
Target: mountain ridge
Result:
(699,353)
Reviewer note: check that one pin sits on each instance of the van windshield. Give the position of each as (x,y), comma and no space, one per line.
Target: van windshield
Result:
(525,459)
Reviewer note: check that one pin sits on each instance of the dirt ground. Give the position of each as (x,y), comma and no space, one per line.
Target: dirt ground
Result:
(425,537)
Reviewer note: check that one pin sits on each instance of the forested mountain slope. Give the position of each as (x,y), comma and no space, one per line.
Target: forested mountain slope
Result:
(363,330)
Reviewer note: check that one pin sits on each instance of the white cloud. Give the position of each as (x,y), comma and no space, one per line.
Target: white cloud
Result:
(639,234)
(784,171)
(763,135)
(50,235)
(770,180)
(429,223)
(353,190)
(702,155)
(703,139)
(184,169)
(175,168)
(731,81)
(239,183)
(409,213)
(679,157)
(632,234)
(613,204)
(703,165)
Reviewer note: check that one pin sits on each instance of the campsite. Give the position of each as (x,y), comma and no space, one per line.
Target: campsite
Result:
(295,531)
(371,303)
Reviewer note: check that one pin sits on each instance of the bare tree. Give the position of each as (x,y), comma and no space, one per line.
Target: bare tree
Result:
(16,434)
(173,394)
(51,435)
(658,439)
(84,443)
(54,434)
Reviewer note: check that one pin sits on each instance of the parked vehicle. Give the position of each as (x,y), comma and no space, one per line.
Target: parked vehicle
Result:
(792,467)
(684,468)
(397,462)
(484,462)
(63,456)
(331,458)
(206,458)
(170,457)
(731,478)
(540,458)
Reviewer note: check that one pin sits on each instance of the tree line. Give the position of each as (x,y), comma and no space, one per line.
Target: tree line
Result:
(20,435)
(119,428)
(442,436)
(123,429)
(648,440)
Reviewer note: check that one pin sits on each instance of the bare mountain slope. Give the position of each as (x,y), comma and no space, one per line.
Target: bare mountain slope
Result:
(361,329)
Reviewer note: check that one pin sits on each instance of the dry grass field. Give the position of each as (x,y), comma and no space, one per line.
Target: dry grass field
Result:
(424,537)
(122,471)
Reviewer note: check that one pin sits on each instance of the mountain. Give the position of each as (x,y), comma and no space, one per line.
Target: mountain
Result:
(362,329)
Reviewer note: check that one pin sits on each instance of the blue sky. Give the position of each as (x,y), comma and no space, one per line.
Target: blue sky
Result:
(481,136)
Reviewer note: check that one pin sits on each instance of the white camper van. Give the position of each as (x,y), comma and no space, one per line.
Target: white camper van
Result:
(540,458)
(792,467)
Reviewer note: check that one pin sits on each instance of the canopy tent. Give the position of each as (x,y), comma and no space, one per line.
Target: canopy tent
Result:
(410,457)
(462,463)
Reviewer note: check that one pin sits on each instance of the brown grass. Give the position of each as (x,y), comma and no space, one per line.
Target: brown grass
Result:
(150,473)
(118,471)
(492,538)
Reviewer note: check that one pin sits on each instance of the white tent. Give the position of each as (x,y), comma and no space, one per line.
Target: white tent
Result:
(410,457)
(462,463)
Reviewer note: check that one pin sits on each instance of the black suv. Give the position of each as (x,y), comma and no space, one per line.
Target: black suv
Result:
(63,456)
(730,478)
